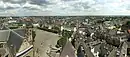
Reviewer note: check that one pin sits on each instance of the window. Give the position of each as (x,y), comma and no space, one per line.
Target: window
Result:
(1,45)
(128,51)
(6,56)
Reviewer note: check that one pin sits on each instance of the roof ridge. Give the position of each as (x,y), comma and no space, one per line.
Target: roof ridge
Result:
(8,36)
(15,32)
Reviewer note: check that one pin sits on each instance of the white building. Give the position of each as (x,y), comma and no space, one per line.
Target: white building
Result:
(36,25)
(12,21)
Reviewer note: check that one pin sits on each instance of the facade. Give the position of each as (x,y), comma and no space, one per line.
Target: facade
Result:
(29,35)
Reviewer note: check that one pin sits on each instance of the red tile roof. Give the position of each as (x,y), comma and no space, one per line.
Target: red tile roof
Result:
(129,30)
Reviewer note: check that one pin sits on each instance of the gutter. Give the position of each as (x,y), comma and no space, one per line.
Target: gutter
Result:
(24,52)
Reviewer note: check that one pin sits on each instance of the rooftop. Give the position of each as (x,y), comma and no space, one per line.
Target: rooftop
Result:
(68,50)
(13,38)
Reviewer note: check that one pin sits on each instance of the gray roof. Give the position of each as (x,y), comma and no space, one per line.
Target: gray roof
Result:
(103,50)
(4,35)
(128,43)
(112,32)
(97,48)
(2,51)
(20,31)
(68,50)
(112,53)
(13,40)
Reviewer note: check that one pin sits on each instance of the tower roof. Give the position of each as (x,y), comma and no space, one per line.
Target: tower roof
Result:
(68,50)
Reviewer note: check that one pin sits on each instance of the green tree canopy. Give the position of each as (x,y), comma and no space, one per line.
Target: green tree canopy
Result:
(61,42)
(66,33)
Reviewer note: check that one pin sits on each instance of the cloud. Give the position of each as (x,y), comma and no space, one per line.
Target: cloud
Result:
(14,1)
(8,5)
(31,6)
(39,2)
(64,7)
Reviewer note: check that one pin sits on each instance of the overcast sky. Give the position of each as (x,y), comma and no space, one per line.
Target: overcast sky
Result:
(64,7)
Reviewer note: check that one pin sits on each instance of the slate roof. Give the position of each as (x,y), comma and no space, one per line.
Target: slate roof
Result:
(13,40)
(4,35)
(21,32)
(68,50)
(2,51)
(97,48)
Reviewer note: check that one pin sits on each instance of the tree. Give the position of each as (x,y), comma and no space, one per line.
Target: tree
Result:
(66,33)
(61,42)
(33,35)
(13,27)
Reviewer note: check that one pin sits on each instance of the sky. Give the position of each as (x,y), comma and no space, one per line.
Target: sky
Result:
(63,7)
